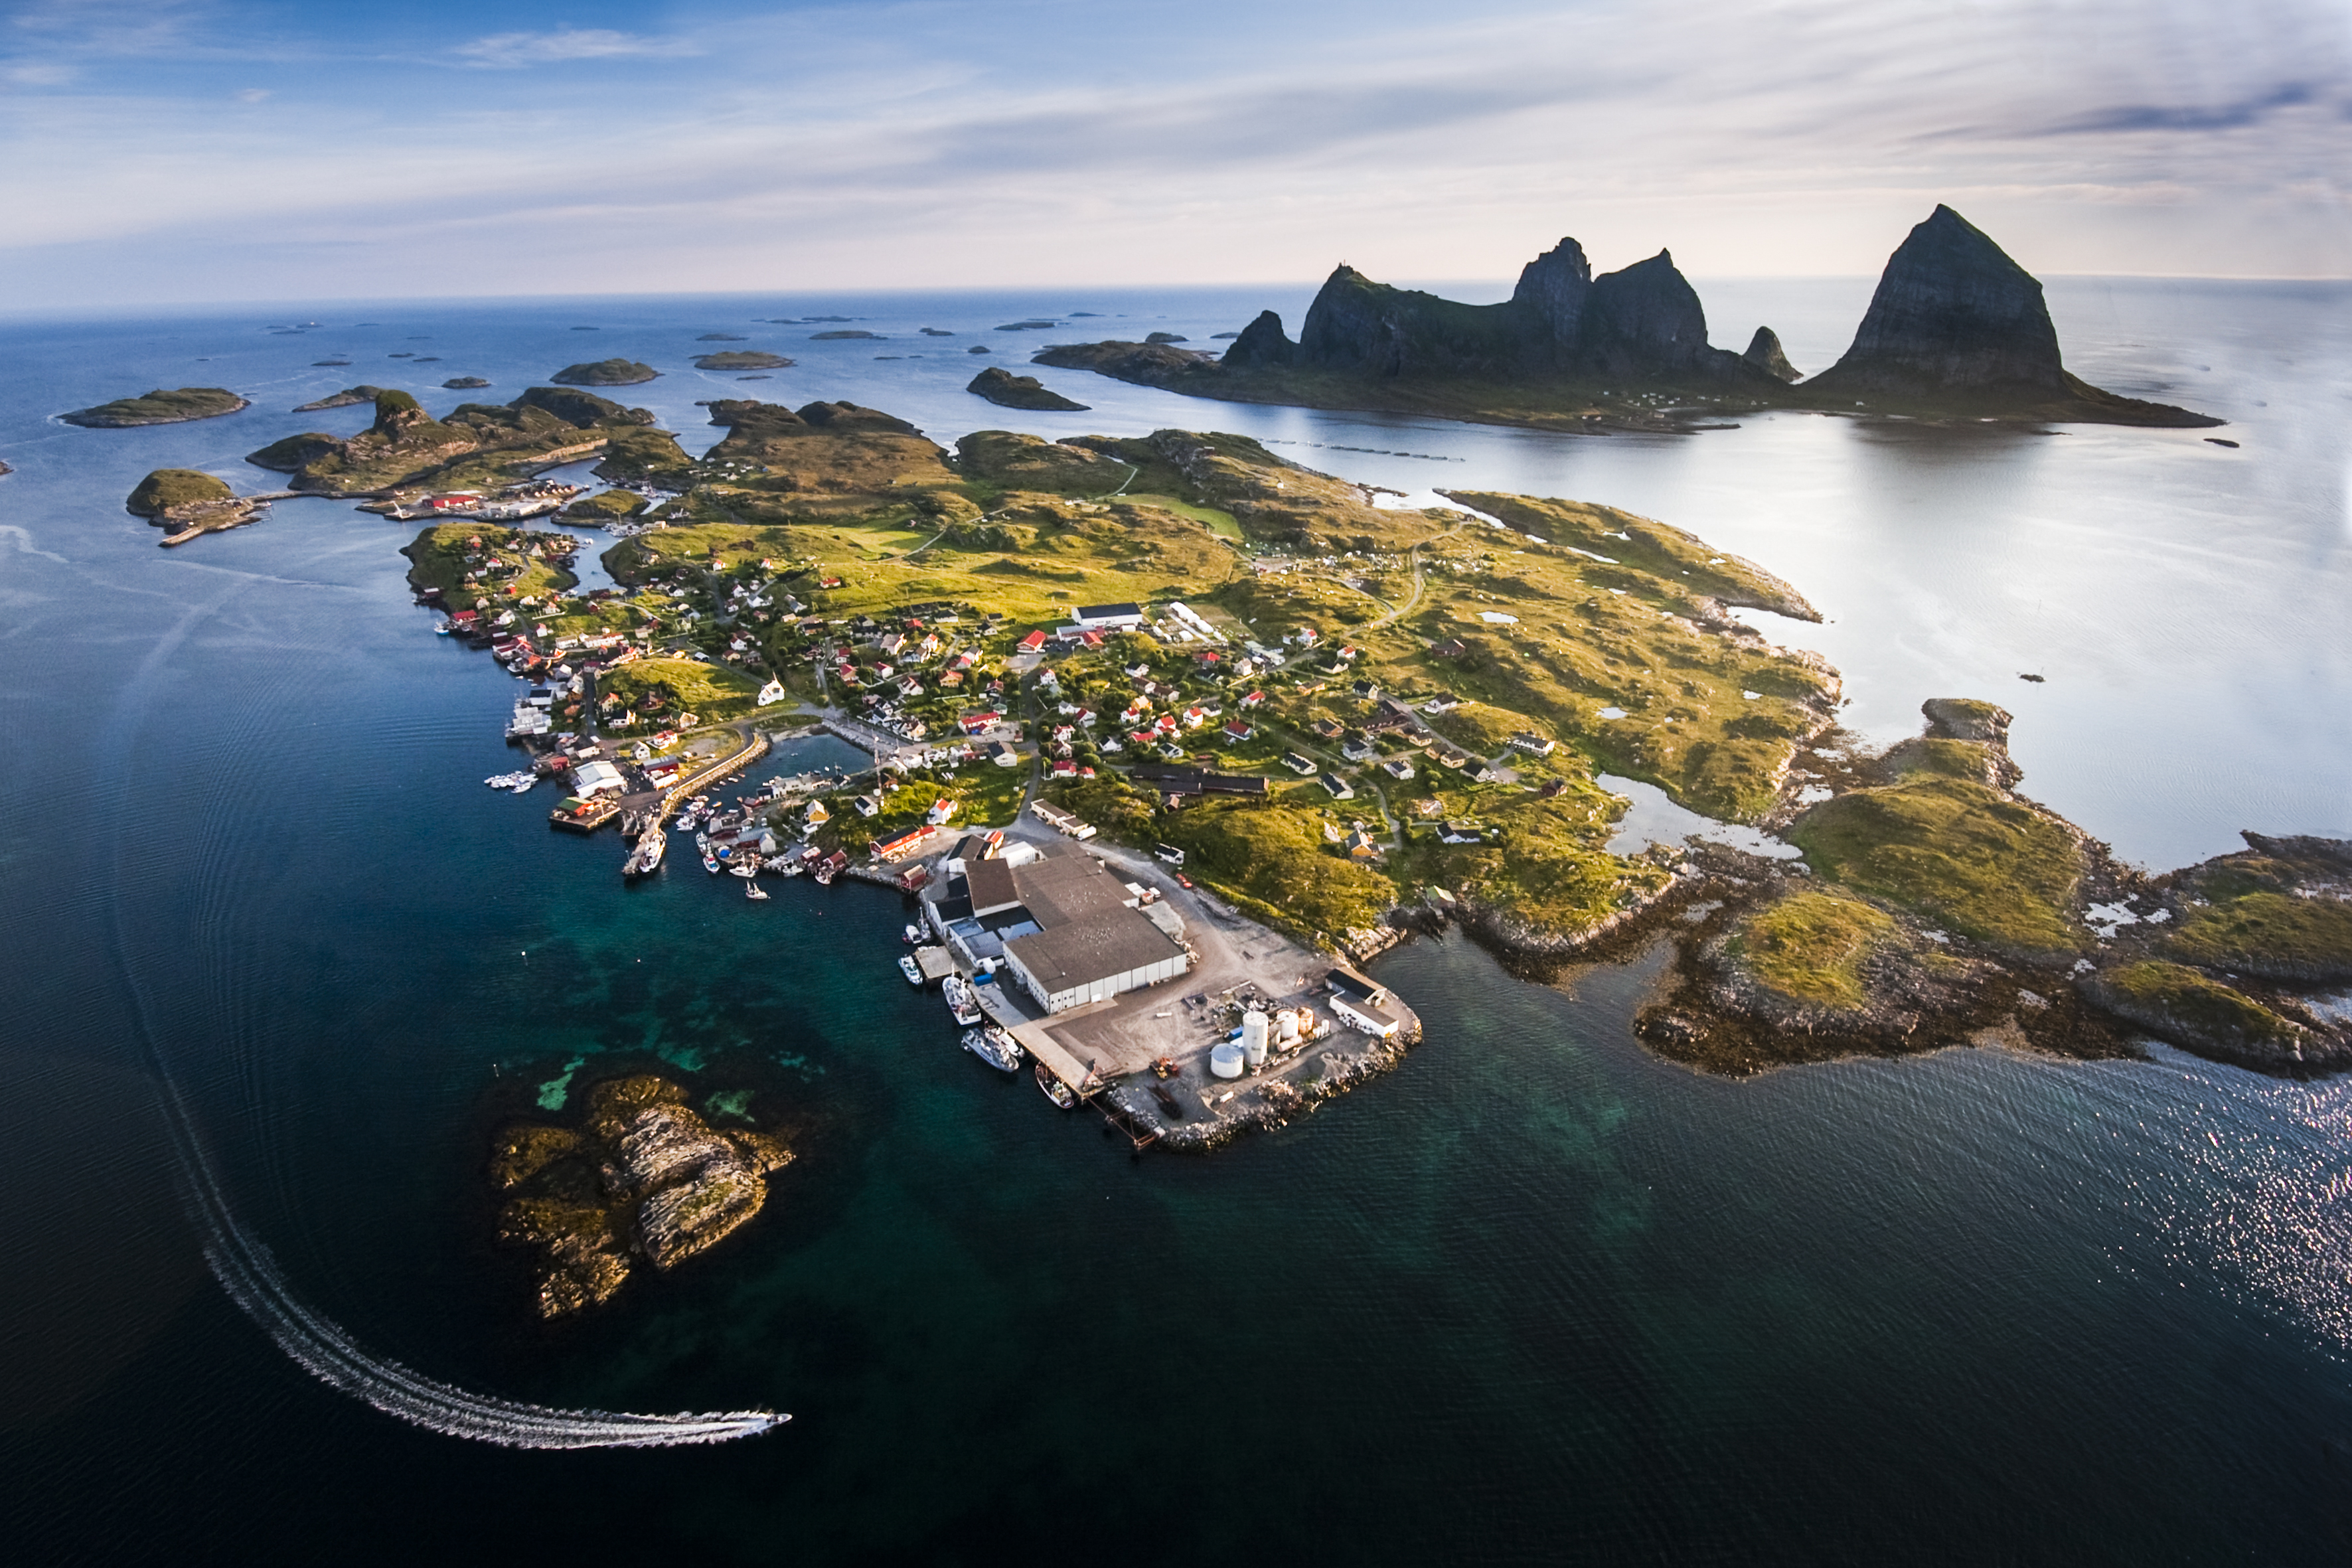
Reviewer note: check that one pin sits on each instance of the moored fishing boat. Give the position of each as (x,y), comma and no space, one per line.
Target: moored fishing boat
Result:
(1056,1090)
(710,865)
(914,934)
(647,856)
(993,1046)
(906,967)
(957,993)
(748,866)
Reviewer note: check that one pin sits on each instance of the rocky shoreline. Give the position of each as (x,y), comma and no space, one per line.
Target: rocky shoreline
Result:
(1778,961)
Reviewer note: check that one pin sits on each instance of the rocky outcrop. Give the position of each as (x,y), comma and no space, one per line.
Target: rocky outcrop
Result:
(1262,342)
(2182,1007)
(158,407)
(165,490)
(1956,325)
(1552,290)
(1764,353)
(582,410)
(464,383)
(1003,387)
(1166,338)
(741,359)
(1645,322)
(290,454)
(643,1179)
(348,397)
(605,373)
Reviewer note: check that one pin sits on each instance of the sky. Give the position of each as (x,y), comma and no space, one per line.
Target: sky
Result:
(194,151)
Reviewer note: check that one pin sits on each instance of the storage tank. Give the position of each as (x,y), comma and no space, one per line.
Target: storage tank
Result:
(1286,1029)
(1254,1038)
(1225,1061)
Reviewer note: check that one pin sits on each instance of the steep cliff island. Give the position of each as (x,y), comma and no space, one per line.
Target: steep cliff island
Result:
(1956,330)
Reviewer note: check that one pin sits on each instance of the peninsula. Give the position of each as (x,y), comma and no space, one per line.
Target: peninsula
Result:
(1956,330)
(159,407)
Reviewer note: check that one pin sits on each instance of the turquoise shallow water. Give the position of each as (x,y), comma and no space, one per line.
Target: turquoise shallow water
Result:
(1535,1296)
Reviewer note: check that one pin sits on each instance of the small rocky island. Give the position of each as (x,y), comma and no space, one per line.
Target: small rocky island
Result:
(605,373)
(643,1179)
(740,359)
(158,407)
(350,396)
(188,503)
(1956,330)
(1003,387)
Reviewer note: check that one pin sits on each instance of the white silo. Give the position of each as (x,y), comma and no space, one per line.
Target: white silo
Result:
(1253,1030)
(1286,1029)
(1225,1061)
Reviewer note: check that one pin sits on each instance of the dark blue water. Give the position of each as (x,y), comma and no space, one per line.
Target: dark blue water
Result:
(1535,1296)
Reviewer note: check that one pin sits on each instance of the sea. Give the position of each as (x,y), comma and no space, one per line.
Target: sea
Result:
(274,964)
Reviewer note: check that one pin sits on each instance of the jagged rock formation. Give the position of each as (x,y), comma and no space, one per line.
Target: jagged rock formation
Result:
(1764,353)
(1956,325)
(1003,387)
(1262,342)
(643,1177)
(1956,328)
(1640,326)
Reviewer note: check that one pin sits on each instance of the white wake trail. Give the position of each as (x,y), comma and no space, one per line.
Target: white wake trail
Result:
(249,1274)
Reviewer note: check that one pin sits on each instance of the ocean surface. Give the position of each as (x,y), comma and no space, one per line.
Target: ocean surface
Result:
(273,963)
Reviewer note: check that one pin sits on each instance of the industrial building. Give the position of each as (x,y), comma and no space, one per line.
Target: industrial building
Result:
(1061,924)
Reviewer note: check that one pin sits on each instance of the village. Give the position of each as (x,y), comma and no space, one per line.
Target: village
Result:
(1147,834)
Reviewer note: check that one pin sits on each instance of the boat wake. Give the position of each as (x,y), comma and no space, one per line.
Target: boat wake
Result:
(250,1274)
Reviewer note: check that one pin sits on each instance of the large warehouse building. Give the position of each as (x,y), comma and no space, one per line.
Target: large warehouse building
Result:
(1065,928)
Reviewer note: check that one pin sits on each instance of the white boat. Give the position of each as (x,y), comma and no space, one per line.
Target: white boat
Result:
(914,934)
(647,856)
(710,865)
(753,890)
(906,966)
(1056,1090)
(748,868)
(957,993)
(994,1047)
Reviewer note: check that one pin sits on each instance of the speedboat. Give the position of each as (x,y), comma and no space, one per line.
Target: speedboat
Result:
(999,1052)
(753,890)
(749,869)
(908,967)
(914,934)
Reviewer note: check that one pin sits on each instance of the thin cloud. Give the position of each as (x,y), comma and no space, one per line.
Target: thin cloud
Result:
(511,51)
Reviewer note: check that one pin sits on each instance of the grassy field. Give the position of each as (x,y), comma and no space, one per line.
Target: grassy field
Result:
(1812,946)
(1956,851)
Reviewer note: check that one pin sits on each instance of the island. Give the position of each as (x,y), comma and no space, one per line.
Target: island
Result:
(605,373)
(1956,330)
(460,384)
(405,452)
(186,502)
(350,396)
(1001,386)
(841,334)
(1303,726)
(159,407)
(643,1178)
(740,359)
